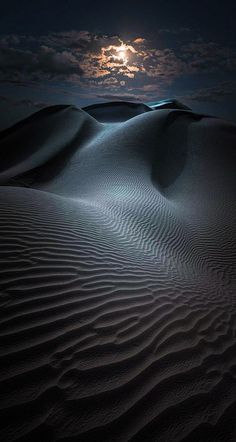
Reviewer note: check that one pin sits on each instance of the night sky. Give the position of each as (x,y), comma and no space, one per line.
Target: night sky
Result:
(81,52)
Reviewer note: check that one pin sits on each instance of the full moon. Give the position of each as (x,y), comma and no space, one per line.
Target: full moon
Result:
(121,53)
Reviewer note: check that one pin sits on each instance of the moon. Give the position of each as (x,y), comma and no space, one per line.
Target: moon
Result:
(122,53)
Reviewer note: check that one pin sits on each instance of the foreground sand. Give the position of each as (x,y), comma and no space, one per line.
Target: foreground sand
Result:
(118,276)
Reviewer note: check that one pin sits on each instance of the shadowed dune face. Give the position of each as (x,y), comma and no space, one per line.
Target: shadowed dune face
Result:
(118,281)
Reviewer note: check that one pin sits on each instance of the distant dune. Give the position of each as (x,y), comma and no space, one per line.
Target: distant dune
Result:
(118,275)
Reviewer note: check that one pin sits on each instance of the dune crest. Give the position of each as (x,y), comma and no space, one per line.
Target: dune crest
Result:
(118,275)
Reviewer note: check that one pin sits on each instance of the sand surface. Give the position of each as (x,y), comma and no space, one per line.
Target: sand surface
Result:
(118,276)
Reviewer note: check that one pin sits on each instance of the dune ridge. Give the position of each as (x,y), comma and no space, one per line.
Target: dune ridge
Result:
(118,275)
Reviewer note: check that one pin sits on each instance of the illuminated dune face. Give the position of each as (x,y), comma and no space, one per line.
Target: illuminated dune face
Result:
(118,276)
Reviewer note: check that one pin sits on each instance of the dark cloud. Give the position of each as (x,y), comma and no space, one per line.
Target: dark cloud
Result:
(174,31)
(24,102)
(69,39)
(18,81)
(122,97)
(82,42)
(21,65)
(212,94)
(208,57)
(4,99)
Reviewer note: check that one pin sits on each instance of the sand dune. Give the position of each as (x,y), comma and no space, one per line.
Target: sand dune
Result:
(118,275)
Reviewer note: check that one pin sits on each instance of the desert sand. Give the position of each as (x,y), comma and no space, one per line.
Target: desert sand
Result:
(118,275)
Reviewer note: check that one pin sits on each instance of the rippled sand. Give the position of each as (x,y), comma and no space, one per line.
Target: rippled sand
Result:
(118,276)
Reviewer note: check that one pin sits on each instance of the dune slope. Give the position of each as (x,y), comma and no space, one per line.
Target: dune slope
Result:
(118,276)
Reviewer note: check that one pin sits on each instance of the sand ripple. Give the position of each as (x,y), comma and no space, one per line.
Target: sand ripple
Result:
(118,277)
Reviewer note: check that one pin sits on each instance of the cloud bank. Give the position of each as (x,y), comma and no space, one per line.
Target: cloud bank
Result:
(104,66)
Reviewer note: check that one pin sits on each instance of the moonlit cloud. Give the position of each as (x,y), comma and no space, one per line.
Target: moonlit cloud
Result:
(102,65)
(139,40)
